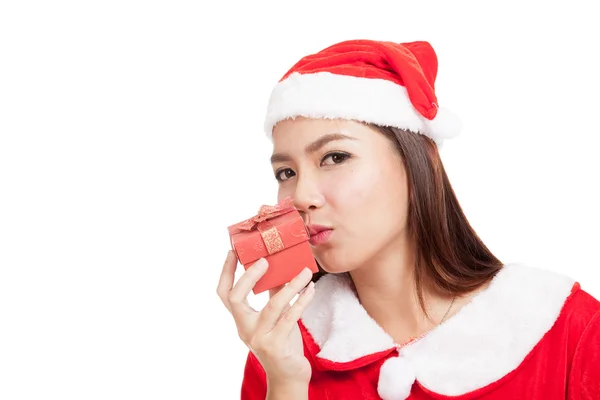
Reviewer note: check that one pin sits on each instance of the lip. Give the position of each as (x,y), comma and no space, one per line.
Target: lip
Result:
(319,234)
(314,229)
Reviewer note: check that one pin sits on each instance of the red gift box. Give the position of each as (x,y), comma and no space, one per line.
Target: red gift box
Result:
(278,234)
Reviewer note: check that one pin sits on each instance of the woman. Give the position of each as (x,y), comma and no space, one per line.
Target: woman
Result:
(410,304)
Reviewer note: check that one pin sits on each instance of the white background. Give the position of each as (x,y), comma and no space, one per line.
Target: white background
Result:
(131,137)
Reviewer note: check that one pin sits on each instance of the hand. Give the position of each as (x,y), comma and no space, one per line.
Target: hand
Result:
(272,334)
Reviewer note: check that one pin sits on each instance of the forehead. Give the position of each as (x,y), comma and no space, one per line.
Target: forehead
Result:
(302,131)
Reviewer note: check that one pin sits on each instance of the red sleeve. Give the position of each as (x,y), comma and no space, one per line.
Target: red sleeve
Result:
(584,381)
(254,383)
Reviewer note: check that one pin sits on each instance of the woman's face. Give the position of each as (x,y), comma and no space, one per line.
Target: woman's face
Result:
(346,177)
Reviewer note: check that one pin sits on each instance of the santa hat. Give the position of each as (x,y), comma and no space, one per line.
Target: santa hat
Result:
(384,83)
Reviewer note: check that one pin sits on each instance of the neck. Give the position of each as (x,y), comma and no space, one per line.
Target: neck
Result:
(386,289)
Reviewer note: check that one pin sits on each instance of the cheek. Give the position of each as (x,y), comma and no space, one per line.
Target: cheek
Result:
(284,191)
(355,189)
(370,199)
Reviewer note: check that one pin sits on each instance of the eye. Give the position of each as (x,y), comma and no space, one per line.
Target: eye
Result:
(284,174)
(336,157)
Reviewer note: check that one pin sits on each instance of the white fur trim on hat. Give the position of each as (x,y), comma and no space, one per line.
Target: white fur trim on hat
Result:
(378,101)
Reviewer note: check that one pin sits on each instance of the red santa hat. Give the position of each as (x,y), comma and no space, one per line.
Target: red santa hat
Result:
(385,83)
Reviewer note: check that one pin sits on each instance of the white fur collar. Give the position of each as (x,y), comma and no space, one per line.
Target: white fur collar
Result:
(482,342)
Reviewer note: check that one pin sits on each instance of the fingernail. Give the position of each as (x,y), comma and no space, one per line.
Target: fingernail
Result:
(306,272)
(261,264)
(308,289)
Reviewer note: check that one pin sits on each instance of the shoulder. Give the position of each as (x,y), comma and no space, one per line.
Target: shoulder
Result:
(580,306)
(582,311)
(579,310)
(539,298)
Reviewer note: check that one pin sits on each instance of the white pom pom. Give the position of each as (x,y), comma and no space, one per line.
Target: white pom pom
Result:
(445,125)
(396,378)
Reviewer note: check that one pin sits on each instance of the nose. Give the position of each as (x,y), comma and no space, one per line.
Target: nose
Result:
(307,195)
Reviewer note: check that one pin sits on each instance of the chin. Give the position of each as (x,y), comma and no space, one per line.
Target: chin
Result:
(333,270)
(335,262)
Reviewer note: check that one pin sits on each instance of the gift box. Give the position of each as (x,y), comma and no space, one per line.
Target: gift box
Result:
(278,234)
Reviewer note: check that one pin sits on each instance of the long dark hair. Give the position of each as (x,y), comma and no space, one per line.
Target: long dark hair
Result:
(450,258)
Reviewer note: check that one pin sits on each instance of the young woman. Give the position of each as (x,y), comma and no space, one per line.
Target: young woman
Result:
(409,303)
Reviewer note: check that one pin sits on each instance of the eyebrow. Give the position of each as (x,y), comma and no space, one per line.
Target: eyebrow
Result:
(312,147)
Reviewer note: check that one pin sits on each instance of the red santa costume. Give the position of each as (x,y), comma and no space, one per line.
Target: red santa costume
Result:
(531,334)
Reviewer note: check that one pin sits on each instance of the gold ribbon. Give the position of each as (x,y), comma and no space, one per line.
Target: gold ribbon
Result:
(261,223)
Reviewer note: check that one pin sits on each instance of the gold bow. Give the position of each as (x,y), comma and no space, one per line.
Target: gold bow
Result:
(267,230)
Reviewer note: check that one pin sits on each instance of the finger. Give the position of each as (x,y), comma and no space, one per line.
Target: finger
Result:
(227,278)
(275,290)
(237,296)
(275,306)
(290,318)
